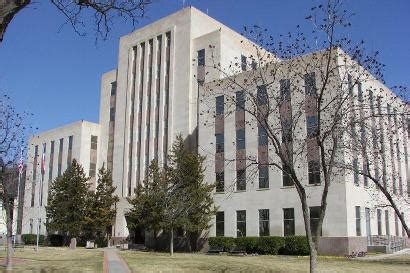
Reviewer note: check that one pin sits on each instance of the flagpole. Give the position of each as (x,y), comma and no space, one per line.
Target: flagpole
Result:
(18,205)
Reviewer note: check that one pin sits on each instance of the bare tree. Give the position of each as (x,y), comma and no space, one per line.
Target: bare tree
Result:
(299,105)
(103,12)
(12,139)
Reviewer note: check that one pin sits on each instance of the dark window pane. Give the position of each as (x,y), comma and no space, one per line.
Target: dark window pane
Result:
(220,223)
(240,139)
(310,84)
(240,180)
(288,222)
(113,88)
(285,90)
(286,178)
(286,131)
(358,221)
(201,57)
(219,143)
(241,223)
(92,170)
(314,172)
(263,177)
(220,105)
(220,182)
(112,114)
(262,136)
(94,142)
(240,101)
(311,126)
(243,63)
(314,219)
(379,222)
(262,95)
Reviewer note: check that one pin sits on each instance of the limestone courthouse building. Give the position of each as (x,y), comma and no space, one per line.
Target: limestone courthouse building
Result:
(164,86)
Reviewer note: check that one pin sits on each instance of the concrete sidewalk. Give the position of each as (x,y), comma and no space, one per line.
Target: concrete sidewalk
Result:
(402,252)
(113,263)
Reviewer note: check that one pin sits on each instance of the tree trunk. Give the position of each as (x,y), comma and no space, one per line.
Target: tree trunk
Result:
(8,9)
(171,243)
(313,259)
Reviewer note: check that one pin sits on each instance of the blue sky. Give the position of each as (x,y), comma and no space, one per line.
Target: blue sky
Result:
(53,73)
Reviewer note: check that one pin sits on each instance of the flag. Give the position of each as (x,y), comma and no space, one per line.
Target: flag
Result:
(43,160)
(21,163)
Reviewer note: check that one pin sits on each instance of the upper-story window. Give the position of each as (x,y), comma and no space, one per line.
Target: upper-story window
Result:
(201,57)
(113,88)
(94,142)
(285,90)
(112,113)
(220,105)
(314,172)
(311,126)
(240,139)
(219,143)
(243,62)
(310,84)
(262,95)
(240,100)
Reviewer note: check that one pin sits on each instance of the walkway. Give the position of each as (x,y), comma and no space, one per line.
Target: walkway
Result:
(113,263)
(402,252)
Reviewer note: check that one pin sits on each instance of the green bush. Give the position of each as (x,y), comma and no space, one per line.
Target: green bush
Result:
(55,240)
(249,244)
(295,245)
(31,239)
(270,245)
(227,243)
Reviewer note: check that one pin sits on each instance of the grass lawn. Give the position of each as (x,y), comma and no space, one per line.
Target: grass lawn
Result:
(181,262)
(56,259)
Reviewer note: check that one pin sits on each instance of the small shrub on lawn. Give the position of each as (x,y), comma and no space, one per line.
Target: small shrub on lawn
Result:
(295,245)
(31,239)
(227,243)
(55,240)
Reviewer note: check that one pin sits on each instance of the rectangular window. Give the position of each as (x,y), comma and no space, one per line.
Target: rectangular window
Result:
(286,178)
(220,223)
(288,222)
(59,169)
(403,231)
(35,162)
(70,142)
(31,226)
(264,222)
(311,126)
(262,136)
(262,95)
(358,221)
(286,131)
(92,170)
(314,219)
(314,172)
(386,216)
(243,62)
(285,90)
(310,84)
(60,156)
(241,223)
(254,65)
(50,164)
(220,182)
(201,57)
(219,143)
(240,139)
(112,114)
(379,222)
(396,224)
(240,100)
(219,105)
(240,180)
(263,177)
(113,88)
(94,142)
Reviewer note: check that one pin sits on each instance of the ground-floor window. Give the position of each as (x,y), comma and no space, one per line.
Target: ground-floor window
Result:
(240,223)
(379,222)
(386,216)
(358,222)
(220,223)
(314,219)
(288,222)
(263,222)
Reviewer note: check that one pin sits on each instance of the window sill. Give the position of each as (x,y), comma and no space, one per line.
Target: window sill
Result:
(239,191)
(313,185)
(263,189)
(287,187)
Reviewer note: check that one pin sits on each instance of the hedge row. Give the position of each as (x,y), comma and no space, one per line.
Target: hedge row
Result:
(272,245)
(31,239)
